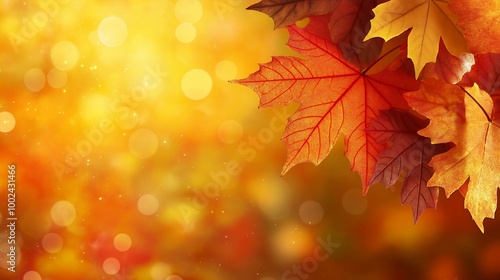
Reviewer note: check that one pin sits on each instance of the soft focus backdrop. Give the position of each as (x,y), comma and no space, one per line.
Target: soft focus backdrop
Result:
(137,159)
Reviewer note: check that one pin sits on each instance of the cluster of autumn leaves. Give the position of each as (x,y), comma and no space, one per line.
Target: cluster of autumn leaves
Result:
(413,86)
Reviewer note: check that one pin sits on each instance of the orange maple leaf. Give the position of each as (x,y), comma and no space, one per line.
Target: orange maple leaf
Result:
(479,20)
(335,97)
(429,20)
(469,118)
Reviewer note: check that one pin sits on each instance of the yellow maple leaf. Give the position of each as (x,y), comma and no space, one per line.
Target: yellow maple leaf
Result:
(470,118)
(429,20)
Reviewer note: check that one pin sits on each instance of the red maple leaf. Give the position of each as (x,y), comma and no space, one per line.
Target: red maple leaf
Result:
(408,152)
(287,12)
(485,72)
(335,96)
(469,118)
(348,24)
(447,67)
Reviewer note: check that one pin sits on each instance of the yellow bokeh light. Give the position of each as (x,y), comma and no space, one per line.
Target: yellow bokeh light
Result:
(32,275)
(196,84)
(143,143)
(271,196)
(291,242)
(159,271)
(112,31)
(7,122)
(185,32)
(63,213)
(34,79)
(94,107)
(57,78)
(147,204)
(64,55)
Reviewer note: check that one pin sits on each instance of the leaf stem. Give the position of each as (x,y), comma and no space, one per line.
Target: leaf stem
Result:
(380,59)
(478,104)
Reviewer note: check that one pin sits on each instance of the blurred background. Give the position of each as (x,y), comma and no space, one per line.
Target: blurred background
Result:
(135,158)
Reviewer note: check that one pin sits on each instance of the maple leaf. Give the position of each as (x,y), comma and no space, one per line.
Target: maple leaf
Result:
(429,20)
(485,72)
(408,151)
(447,67)
(479,21)
(287,12)
(348,24)
(335,97)
(469,118)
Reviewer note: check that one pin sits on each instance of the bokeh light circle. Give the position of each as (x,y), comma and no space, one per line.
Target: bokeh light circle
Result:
(64,55)
(188,10)
(311,212)
(7,122)
(174,277)
(148,204)
(57,78)
(52,243)
(63,213)
(143,143)
(32,275)
(353,201)
(160,271)
(34,79)
(185,32)
(112,31)
(226,70)
(111,266)
(122,242)
(290,241)
(230,132)
(196,84)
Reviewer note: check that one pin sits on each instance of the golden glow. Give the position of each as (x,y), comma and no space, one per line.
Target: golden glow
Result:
(112,31)
(63,213)
(196,84)
(34,79)
(7,122)
(64,55)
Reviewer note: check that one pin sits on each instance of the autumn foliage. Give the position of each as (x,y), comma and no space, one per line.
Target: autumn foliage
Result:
(413,87)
